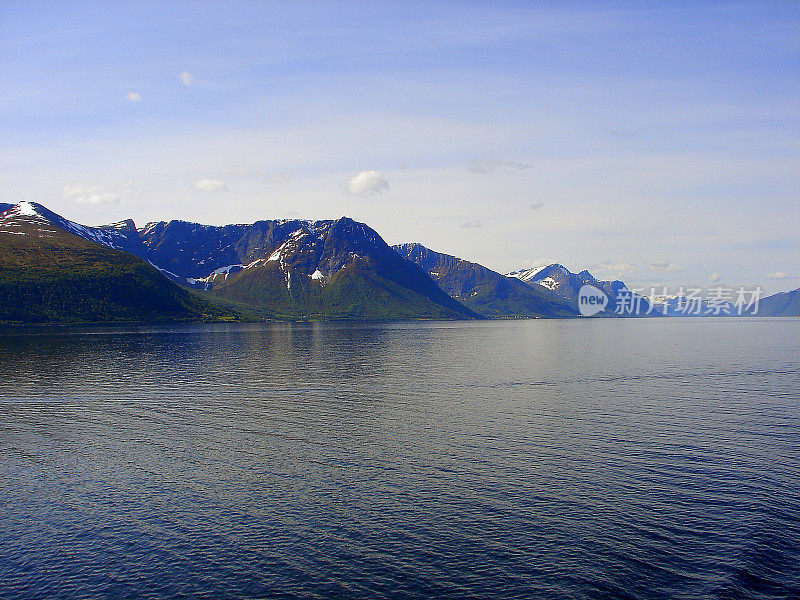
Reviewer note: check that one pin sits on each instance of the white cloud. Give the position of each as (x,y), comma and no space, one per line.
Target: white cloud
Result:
(492,165)
(663,266)
(210,185)
(472,224)
(367,183)
(93,194)
(133,97)
(186,78)
(714,277)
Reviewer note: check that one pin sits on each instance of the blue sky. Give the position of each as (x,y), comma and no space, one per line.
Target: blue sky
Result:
(657,142)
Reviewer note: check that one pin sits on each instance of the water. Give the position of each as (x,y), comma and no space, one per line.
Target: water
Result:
(574,459)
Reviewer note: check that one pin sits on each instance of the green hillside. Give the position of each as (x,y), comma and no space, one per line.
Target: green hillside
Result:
(356,291)
(50,276)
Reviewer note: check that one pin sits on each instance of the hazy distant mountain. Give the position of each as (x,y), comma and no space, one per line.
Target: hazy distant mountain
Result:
(48,274)
(782,304)
(485,291)
(682,306)
(565,285)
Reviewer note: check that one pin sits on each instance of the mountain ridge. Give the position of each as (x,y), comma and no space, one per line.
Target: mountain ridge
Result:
(50,275)
(340,268)
(335,268)
(485,291)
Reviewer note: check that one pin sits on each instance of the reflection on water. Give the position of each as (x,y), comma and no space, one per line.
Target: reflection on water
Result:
(532,459)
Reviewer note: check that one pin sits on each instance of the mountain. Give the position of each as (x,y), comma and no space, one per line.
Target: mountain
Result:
(54,269)
(300,269)
(565,285)
(782,304)
(48,274)
(283,269)
(484,291)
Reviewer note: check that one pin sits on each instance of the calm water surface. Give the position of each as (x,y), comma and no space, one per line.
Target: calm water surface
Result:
(575,459)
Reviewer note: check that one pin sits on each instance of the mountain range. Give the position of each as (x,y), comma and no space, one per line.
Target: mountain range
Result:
(56,270)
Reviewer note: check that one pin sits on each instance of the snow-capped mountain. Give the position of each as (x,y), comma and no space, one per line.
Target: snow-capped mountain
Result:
(119,236)
(58,269)
(290,267)
(307,263)
(485,291)
(566,285)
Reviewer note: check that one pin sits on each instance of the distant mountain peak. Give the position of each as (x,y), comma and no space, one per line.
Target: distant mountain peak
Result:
(485,291)
(566,285)
(124,224)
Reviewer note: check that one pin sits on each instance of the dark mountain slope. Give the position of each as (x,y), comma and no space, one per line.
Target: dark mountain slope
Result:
(49,275)
(484,291)
(336,269)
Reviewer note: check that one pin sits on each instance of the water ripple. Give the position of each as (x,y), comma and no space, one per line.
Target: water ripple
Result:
(523,459)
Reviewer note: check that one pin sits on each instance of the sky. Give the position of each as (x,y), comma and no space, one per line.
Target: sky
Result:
(656,142)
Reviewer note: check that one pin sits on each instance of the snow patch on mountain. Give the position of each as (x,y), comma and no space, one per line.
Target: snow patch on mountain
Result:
(27,208)
(547,282)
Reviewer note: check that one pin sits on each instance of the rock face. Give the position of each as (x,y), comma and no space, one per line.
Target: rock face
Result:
(485,291)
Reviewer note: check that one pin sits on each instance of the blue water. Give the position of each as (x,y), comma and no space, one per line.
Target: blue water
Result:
(575,459)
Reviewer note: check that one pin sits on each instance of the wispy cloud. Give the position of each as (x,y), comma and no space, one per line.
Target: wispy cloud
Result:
(471,225)
(133,97)
(538,263)
(617,270)
(210,185)
(94,194)
(260,174)
(278,178)
(782,275)
(367,183)
(186,78)
(663,267)
(493,165)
